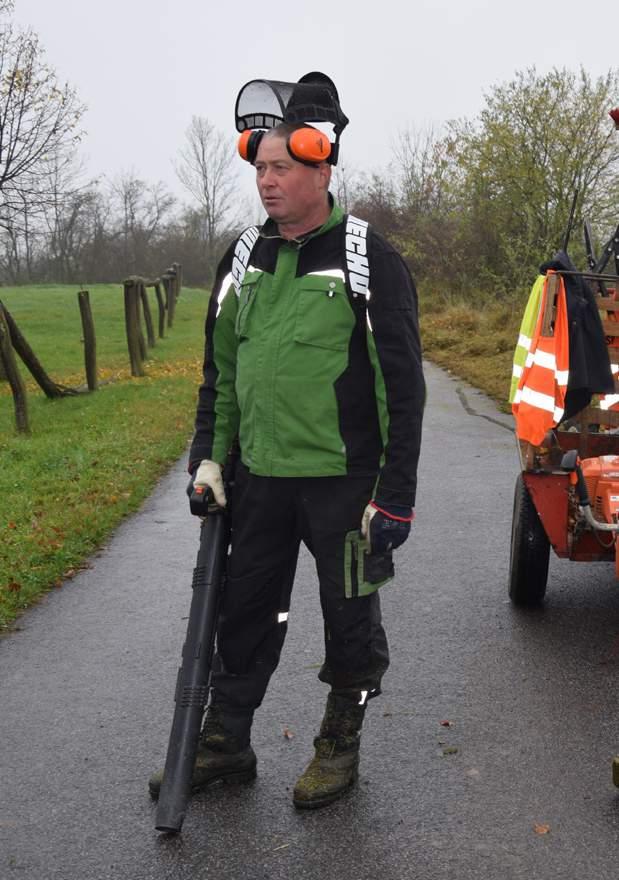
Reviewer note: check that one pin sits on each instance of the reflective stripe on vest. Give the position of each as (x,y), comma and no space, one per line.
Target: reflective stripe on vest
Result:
(539,400)
(527,329)
(611,401)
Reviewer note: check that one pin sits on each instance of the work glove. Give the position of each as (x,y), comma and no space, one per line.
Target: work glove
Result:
(209,474)
(386,528)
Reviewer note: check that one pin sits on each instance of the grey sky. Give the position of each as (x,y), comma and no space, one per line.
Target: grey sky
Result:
(143,67)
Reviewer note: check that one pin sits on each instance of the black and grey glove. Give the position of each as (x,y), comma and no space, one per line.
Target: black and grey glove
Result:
(387,527)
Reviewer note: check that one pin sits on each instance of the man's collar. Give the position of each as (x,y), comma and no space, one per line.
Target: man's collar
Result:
(269,228)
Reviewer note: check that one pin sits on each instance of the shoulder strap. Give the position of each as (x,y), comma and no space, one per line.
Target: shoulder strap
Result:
(356,259)
(242,253)
(357,267)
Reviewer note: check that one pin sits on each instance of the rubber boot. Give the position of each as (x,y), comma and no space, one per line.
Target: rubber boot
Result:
(334,767)
(224,753)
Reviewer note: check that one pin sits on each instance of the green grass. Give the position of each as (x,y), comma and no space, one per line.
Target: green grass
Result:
(476,344)
(38,310)
(93,458)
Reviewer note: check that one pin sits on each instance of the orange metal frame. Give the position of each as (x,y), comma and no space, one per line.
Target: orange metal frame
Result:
(590,433)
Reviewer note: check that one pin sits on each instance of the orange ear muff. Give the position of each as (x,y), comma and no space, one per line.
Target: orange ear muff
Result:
(309,145)
(248,145)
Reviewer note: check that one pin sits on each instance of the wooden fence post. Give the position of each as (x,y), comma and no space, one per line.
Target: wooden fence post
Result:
(132,326)
(20,345)
(7,357)
(161,308)
(178,274)
(170,295)
(138,319)
(90,342)
(148,318)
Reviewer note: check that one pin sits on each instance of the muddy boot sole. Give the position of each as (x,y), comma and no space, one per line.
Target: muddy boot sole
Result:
(237,778)
(214,775)
(317,803)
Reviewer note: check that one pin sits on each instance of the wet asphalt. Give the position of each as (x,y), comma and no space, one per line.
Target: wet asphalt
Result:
(86,700)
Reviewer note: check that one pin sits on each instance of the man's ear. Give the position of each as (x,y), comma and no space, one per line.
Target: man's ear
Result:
(325,175)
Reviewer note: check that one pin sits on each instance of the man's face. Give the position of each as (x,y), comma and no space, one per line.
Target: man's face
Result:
(290,191)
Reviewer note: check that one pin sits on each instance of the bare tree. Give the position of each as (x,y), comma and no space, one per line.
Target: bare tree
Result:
(67,224)
(346,185)
(39,119)
(143,208)
(205,170)
(422,169)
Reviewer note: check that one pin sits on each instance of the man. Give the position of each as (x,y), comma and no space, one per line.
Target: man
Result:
(323,388)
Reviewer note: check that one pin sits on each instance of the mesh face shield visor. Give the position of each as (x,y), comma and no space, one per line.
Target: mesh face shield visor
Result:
(264,104)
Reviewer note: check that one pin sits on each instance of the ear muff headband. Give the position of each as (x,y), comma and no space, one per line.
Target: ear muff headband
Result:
(306,145)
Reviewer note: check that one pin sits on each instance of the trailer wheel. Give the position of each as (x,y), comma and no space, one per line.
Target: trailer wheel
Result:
(530,551)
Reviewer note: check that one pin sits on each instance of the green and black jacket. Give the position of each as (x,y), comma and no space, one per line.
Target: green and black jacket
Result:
(314,380)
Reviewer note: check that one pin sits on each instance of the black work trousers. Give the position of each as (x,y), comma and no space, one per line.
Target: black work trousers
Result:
(270,517)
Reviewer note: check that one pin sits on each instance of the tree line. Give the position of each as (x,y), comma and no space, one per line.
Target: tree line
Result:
(477,208)
(104,231)
(474,207)
(58,226)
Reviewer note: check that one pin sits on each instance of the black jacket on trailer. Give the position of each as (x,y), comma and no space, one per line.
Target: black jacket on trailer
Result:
(589,371)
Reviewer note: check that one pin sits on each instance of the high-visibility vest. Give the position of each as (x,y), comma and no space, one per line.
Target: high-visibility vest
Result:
(527,329)
(539,402)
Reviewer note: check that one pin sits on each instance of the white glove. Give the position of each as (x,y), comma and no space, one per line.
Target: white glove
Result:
(368,513)
(209,474)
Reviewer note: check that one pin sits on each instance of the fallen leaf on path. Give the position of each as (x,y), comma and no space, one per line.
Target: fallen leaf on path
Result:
(446,723)
(541,829)
(283,846)
(288,734)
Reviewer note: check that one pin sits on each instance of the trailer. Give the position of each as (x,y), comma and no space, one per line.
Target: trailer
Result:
(567,492)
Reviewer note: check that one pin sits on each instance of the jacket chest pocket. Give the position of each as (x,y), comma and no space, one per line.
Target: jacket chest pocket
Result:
(324,316)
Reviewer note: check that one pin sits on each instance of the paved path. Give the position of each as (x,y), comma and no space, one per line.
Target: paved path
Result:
(86,701)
